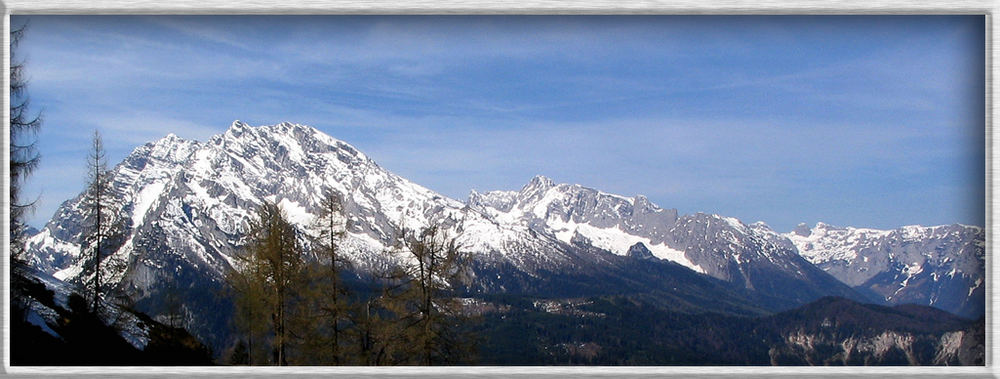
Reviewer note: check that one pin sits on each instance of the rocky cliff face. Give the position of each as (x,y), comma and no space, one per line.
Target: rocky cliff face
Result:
(188,204)
(834,331)
(747,256)
(942,266)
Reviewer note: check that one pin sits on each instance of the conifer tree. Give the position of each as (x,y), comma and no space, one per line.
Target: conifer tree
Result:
(273,275)
(103,226)
(374,330)
(24,157)
(331,299)
(369,328)
(250,312)
(247,283)
(424,300)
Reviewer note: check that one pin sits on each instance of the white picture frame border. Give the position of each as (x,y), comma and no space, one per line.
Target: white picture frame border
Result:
(542,7)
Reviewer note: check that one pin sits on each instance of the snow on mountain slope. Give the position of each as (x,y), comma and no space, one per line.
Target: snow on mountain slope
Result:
(201,195)
(138,181)
(571,212)
(941,266)
(47,313)
(188,206)
(751,257)
(824,244)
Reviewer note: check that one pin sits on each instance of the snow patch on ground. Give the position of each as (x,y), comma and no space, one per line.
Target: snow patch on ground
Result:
(297,214)
(44,238)
(617,241)
(827,243)
(145,199)
(69,272)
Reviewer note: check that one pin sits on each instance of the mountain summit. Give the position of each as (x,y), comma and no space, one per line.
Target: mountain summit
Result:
(188,205)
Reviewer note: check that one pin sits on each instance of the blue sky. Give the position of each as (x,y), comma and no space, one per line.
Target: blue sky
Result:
(850,120)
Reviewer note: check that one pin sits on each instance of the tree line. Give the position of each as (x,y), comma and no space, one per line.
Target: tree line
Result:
(292,310)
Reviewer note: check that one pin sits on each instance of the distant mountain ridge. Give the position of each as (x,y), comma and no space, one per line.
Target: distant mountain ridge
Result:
(748,256)
(942,266)
(188,205)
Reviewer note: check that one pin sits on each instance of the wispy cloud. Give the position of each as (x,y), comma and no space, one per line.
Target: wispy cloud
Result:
(203,29)
(783,119)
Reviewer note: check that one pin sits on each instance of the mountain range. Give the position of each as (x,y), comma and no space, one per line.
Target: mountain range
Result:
(187,206)
(940,266)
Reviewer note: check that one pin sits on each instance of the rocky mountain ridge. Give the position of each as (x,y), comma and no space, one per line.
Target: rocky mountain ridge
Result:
(188,204)
(941,266)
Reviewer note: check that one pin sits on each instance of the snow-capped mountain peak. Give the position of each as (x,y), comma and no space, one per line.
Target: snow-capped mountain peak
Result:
(189,205)
(941,265)
(169,148)
(538,184)
(173,183)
